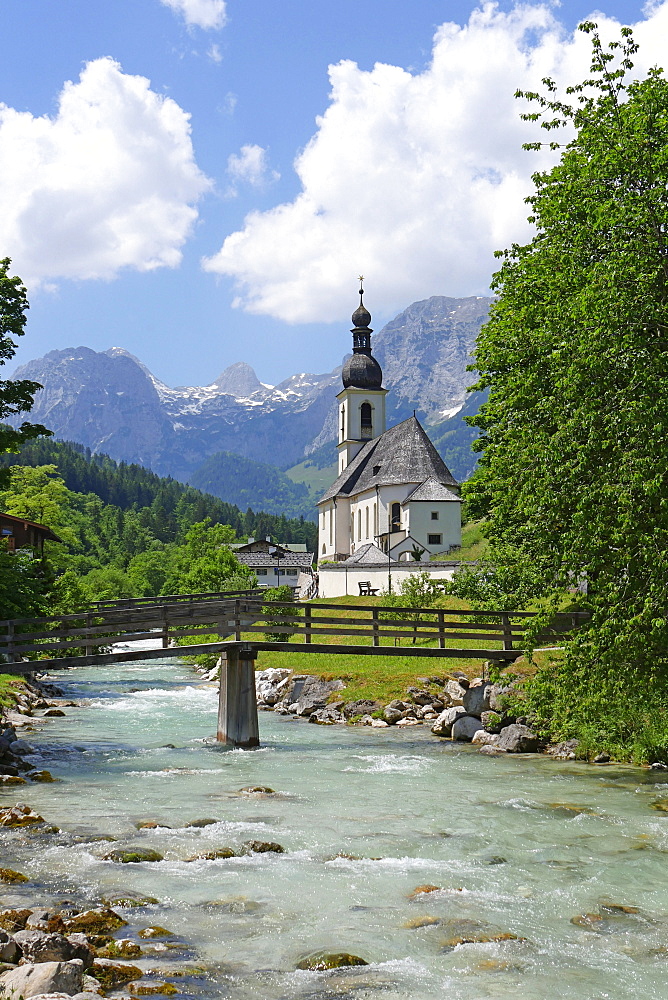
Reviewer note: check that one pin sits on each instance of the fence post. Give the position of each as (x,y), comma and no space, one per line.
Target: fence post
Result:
(507,632)
(237,620)
(441,630)
(87,644)
(11,653)
(376,631)
(307,623)
(165,628)
(237,704)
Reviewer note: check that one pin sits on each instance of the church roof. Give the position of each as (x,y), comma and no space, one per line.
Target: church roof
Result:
(369,553)
(403,454)
(431,489)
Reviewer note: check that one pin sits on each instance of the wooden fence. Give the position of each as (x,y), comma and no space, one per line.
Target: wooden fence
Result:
(88,638)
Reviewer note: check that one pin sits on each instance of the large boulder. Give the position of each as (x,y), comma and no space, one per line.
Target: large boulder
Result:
(309,693)
(9,950)
(443,724)
(519,739)
(498,696)
(45,977)
(483,739)
(391,715)
(362,707)
(455,692)
(465,727)
(270,684)
(476,698)
(38,946)
(419,696)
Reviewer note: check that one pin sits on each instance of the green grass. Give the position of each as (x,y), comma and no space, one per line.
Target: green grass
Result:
(8,685)
(372,677)
(474,543)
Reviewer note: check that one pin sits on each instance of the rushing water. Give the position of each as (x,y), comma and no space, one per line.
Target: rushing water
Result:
(516,845)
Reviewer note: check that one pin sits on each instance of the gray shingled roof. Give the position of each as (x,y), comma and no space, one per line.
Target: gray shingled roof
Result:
(369,553)
(403,454)
(432,489)
(255,560)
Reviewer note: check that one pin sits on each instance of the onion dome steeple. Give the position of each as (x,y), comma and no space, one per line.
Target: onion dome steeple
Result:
(362,371)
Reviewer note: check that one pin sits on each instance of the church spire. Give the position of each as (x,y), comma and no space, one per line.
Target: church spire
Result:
(362,371)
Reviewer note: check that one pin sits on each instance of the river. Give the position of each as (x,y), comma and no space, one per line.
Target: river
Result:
(517,846)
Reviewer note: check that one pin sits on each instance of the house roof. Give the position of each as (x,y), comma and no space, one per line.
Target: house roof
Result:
(257,560)
(24,523)
(403,454)
(263,545)
(431,489)
(369,553)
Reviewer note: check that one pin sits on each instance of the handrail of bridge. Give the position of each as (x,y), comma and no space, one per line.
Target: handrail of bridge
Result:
(251,616)
(132,602)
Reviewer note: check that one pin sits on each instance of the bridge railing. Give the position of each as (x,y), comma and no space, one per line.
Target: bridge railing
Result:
(68,639)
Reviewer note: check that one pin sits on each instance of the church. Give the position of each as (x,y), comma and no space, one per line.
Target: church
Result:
(394,499)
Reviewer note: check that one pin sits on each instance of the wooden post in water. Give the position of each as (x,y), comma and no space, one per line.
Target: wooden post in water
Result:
(237,705)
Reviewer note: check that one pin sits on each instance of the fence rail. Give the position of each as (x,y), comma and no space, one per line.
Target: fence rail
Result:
(89,637)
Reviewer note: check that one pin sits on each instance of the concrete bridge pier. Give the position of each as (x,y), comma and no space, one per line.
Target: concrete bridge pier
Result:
(237,704)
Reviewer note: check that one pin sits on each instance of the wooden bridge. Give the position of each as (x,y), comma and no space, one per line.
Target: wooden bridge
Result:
(230,623)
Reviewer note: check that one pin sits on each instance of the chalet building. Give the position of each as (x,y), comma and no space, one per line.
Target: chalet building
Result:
(394,492)
(276,565)
(18,533)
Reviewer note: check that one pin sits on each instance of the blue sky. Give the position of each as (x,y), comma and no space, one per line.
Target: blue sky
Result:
(200,182)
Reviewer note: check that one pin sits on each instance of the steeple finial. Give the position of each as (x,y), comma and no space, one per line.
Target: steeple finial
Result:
(362,370)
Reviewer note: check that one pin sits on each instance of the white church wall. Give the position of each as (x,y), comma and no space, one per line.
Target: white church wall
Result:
(339,580)
(448,523)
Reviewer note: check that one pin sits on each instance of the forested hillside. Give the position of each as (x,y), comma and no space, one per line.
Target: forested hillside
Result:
(164,507)
(245,481)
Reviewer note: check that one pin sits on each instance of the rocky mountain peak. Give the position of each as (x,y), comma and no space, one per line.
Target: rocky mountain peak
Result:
(239,380)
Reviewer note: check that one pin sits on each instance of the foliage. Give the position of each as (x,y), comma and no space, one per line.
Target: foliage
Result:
(273,594)
(23,585)
(16,396)
(573,478)
(418,590)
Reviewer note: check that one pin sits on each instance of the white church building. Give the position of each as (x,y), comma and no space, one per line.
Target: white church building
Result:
(395,500)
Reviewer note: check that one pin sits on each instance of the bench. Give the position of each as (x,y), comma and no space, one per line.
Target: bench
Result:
(366,590)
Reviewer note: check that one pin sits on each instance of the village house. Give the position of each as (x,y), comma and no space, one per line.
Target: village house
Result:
(18,533)
(276,565)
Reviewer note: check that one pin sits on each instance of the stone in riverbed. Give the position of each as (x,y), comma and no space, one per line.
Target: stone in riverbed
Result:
(110,974)
(45,977)
(9,875)
(220,854)
(519,739)
(19,815)
(321,961)
(120,948)
(476,698)
(197,823)
(391,715)
(155,931)
(484,739)
(9,950)
(418,922)
(14,920)
(422,890)
(38,946)
(444,723)
(43,777)
(257,790)
(492,750)
(128,899)
(261,847)
(465,727)
(152,989)
(99,920)
(133,856)
(12,779)
(53,713)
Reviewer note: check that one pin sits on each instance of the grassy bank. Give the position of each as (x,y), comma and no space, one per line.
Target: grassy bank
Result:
(9,685)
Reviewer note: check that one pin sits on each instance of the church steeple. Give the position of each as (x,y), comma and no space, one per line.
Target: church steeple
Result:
(362,399)
(362,370)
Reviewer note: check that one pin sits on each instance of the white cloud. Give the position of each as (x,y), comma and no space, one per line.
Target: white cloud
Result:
(207,14)
(214,53)
(250,166)
(414,179)
(110,182)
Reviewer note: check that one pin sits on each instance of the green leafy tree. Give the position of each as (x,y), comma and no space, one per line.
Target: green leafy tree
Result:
(573,477)
(16,395)
(277,614)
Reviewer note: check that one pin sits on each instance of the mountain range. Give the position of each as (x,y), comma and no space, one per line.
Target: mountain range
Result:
(110,402)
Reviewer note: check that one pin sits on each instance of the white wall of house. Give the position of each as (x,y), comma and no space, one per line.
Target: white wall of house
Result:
(338,580)
(439,533)
(268,576)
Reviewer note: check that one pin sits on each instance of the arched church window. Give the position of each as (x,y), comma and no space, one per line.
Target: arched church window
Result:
(366,420)
(366,522)
(395,516)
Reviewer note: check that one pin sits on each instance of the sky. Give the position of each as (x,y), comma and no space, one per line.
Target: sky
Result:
(201,182)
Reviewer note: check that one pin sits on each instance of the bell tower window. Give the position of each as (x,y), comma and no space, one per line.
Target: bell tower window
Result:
(366,420)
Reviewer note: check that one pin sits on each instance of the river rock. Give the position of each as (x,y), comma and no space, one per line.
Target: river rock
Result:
(133,856)
(20,746)
(10,876)
(308,693)
(199,823)
(362,707)
(379,724)
(465,727)
(419,696)
(155,931)
(147,989)
(19,815)
(14,920)
(519,739)
(127,898)
(494,722)
(261,847)
(483,739)
(99,920)
(476,698)
(46,977)
(492,750)
(498,696)
(563,751)
(54,713)
(110,973)
(9,950)
(391,715)
(40,946)
(42,777)
(443,724)
(328,716)
(455,692)
(270,684)
(321,961)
